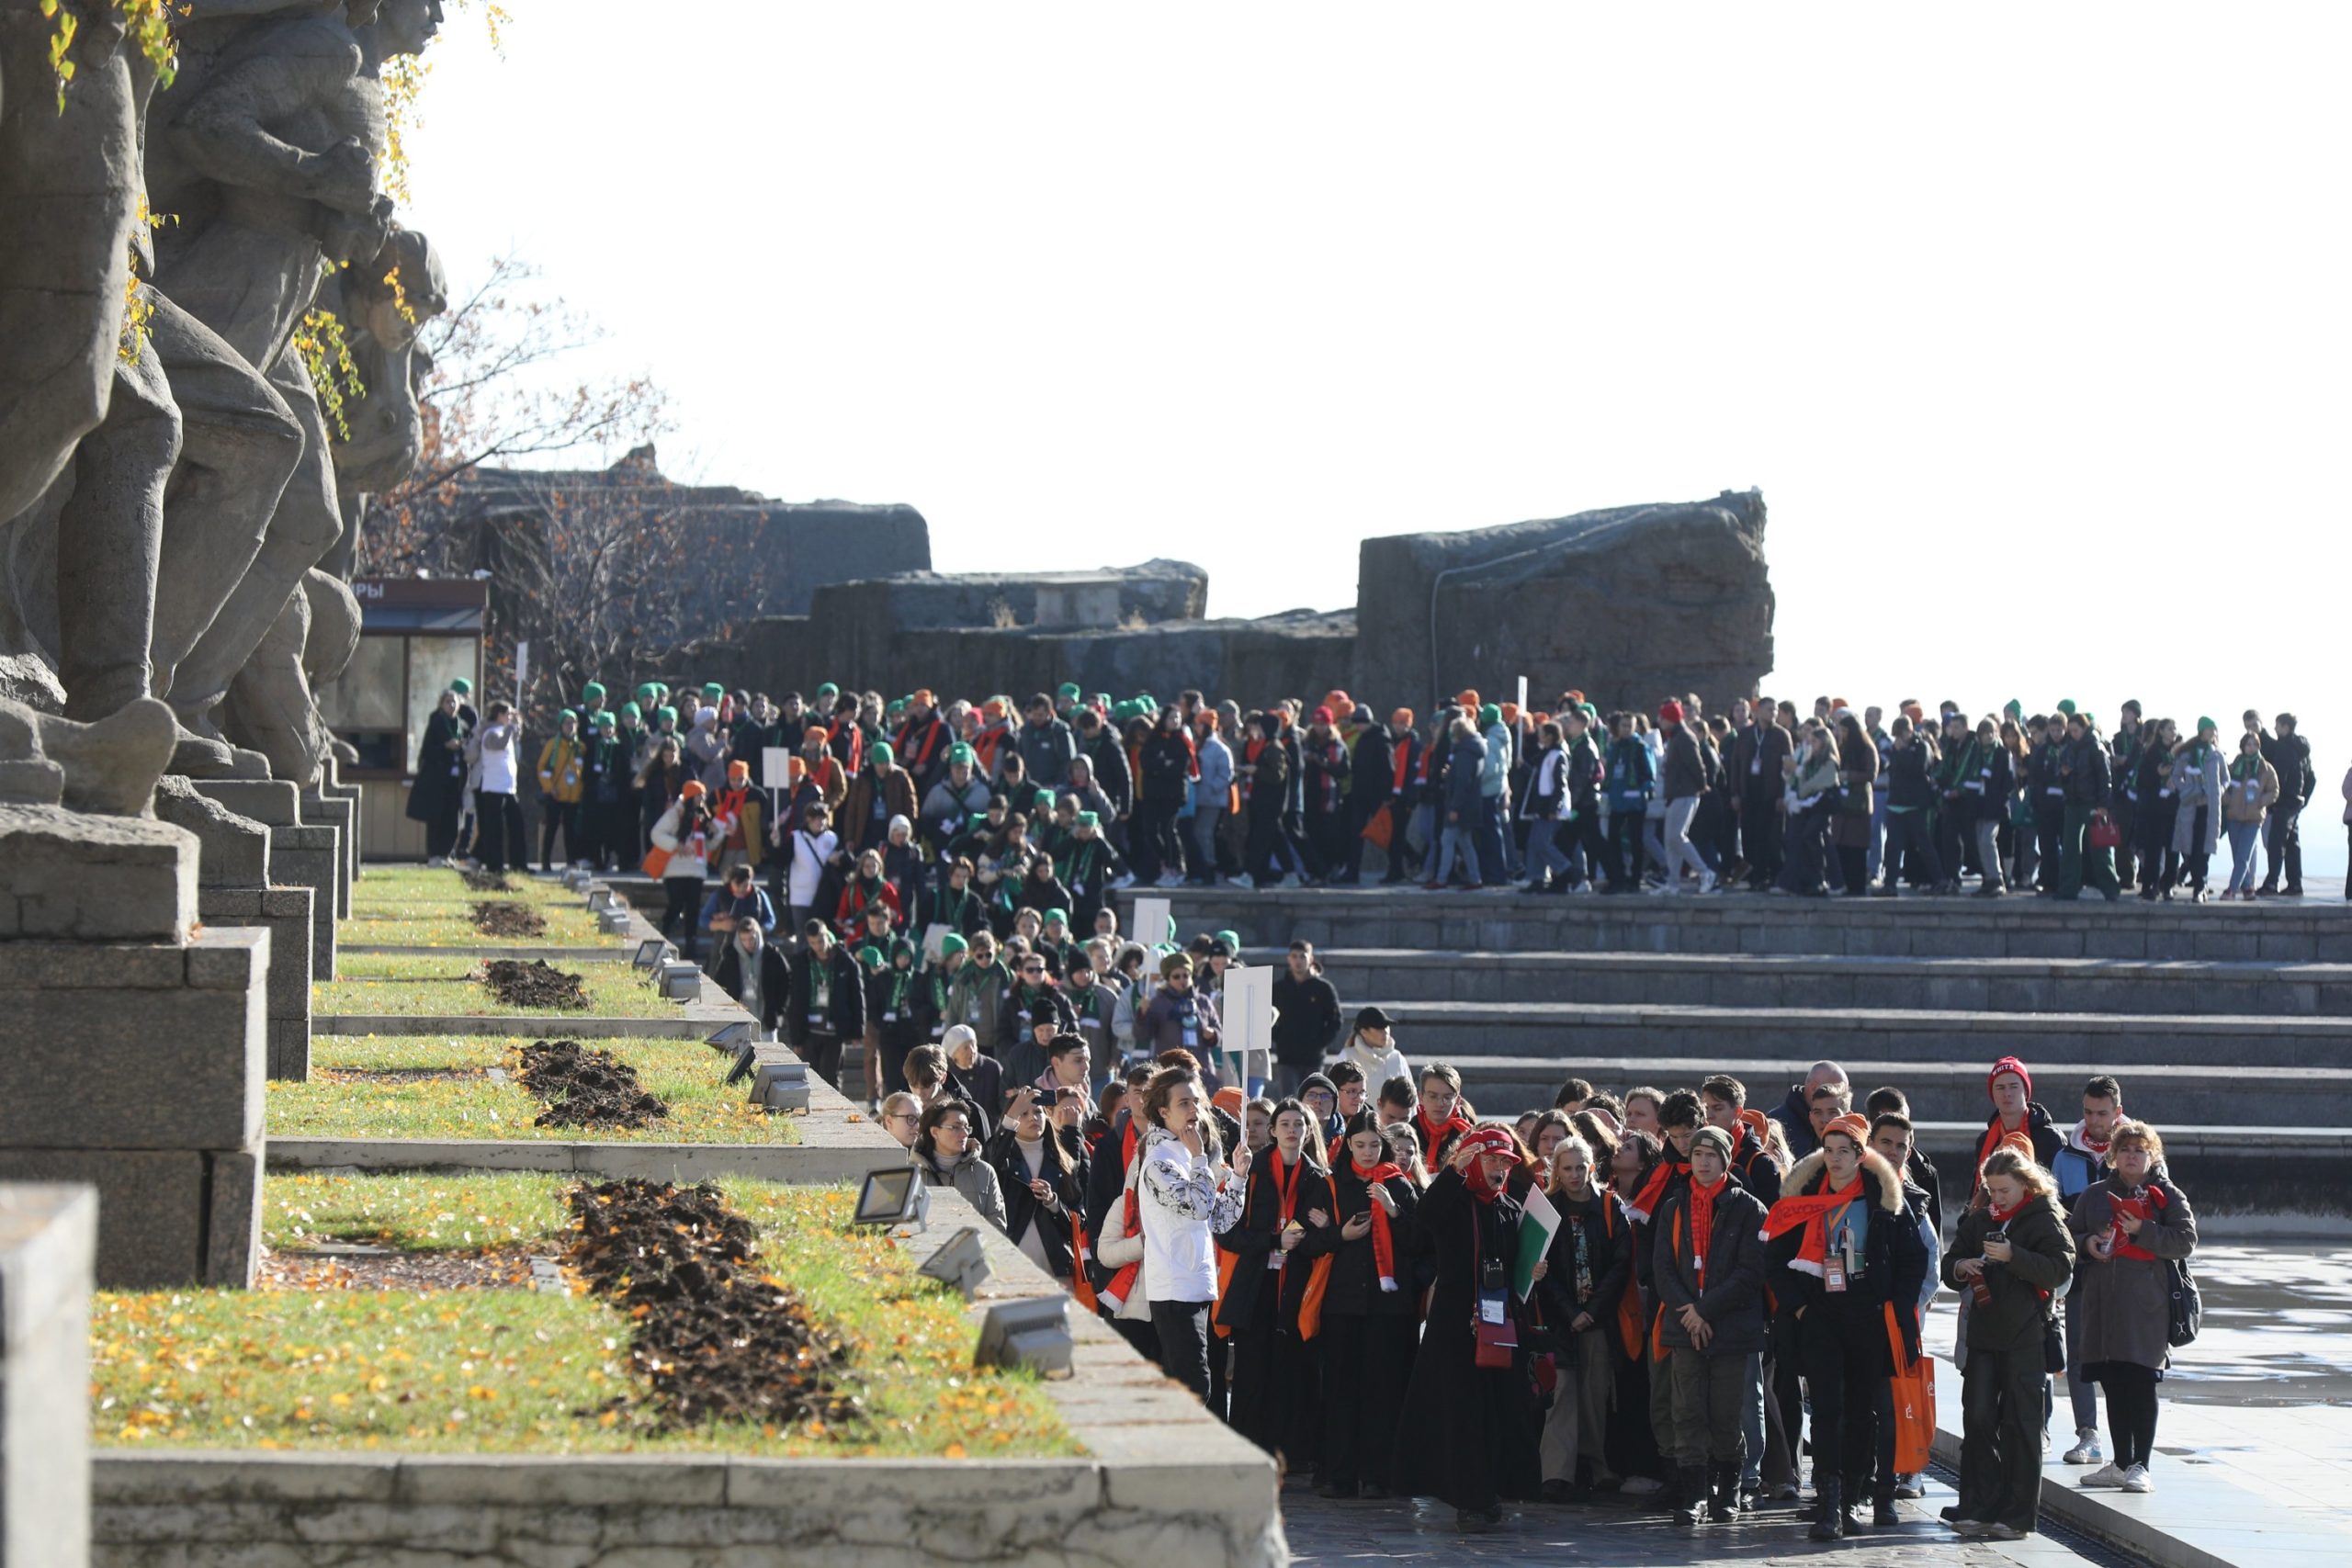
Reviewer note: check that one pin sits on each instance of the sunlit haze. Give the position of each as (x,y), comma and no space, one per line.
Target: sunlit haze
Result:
(2029,322)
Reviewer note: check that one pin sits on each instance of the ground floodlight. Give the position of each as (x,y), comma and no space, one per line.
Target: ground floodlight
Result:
(889,1197)
(613,922)
(680,982)
(1032,1332)
(733,1035)
(779,1080)
(576,880)
(747,1061)
(600,898)
(652,953)
(961,1261)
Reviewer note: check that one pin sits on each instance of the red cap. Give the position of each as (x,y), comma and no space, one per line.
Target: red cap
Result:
(1669,711)
(2009,1064)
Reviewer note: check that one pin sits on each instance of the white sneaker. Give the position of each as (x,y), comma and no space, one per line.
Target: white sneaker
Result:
(2105,1475)
(1706,881)
(2137,1479)
(2086,1450)
(1293,881)
(1126,879)
(1241,882)
(1642,1485)
(1170,879)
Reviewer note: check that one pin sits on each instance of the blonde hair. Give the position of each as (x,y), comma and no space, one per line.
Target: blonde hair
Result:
(2139,1134)
(2020,1168)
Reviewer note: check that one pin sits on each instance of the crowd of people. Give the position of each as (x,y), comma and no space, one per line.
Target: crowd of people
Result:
(1330,1259)
(1726,1289)
(1848,800)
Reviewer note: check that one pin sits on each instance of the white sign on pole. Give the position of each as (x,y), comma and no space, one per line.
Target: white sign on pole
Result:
(1247,1017)
(1523,693)
(775,767)
(1153,917)
(522,672)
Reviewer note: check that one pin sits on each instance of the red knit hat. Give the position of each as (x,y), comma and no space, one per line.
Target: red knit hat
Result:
(1669,711)
(2009,1064)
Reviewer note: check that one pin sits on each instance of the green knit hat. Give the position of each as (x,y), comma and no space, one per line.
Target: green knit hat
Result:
(569,714)
(1068,691)
(828,692)
(594,692)
(1490,716)
(2066,707)
(1089,819)
(646,694)
(1592,713)
(462,686)
(1232,942)
(2013,708)
(2203,724)
(1042,803)
(961,752)
(607,722)
(870,955)
(667,715)
(952,945)
(882,752)
(631,711)
(1057,917)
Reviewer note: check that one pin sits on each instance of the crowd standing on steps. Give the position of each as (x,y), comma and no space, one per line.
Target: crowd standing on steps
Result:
(1660,1297)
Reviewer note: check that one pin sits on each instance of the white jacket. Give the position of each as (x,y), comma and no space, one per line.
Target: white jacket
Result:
(1378,1066)
(1184,1200)
(687,856)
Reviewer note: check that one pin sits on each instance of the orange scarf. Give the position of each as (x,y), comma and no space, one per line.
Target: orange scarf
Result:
(1813,1212)
(1384,1246)
(1702,1224)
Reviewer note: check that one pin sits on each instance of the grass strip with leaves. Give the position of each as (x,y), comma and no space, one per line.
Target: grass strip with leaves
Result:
(454,987)
(340,1100)
(513,1371)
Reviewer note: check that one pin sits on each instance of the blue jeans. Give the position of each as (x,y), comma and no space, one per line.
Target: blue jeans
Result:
(1751,1424)
(1455,838)
(2242,857)
(1544,857)
(1489,839)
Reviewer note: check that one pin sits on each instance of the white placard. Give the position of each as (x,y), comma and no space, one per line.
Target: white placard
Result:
(775,767)
(1150,924)
(522,673)
(1523,693)
(1246,1016)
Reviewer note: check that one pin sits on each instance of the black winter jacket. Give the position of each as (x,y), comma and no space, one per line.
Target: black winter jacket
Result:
(841,1011)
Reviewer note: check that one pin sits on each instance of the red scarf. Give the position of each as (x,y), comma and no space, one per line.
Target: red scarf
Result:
(1404,763)
(2146,1206)
(1814,1212)
(1652,1192)
(1383,1247)
(1703,1224)
(1285,1192)
(1996,1135)
(1433,1138)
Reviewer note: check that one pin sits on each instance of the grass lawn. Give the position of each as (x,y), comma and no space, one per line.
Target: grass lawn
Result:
(684,1073)
(454,986)
(450,923)
(517,1372)
(385,885)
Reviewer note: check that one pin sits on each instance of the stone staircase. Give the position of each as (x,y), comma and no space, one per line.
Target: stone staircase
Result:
(2206,1013)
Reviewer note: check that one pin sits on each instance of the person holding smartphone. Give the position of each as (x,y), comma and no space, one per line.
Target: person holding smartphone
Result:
(2012,1251)
(1040,1166)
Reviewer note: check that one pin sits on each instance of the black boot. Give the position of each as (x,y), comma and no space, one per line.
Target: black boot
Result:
(1828,1519)
(1883,1514)
(1849,1504)
(1724,1506)
(1690,1493)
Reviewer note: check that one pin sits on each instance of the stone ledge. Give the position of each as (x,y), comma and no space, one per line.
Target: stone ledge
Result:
(76,879)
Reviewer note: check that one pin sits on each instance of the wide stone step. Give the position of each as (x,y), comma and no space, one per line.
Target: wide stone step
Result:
(2119,1043)
(1939,1091)
(1811,980)
(2281,931)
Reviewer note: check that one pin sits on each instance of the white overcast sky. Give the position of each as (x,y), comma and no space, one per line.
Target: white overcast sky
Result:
(2028,320)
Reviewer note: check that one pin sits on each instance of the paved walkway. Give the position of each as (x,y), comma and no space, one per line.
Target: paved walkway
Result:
(1325,1534)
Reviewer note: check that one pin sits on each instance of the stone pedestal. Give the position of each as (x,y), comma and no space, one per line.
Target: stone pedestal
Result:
(133,1050)
(332,785)
(47,1238)
(233,889)
(299,855)
(343,816)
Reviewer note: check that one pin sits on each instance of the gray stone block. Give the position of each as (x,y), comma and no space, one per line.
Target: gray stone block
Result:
(70,877)
(233,1216)
(48,1245)
(271,802)
(137,1069)
(151,1208)
(233,851)
(305,857)
(285,913)
(325,811)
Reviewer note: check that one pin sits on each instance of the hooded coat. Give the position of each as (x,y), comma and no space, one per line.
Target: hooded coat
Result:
(1894,1260)
(2122,1306)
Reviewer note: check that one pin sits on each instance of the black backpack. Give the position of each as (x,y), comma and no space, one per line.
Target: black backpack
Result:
(2187,1306)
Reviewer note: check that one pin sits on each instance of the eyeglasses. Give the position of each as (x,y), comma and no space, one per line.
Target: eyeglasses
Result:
(960,1129)
(902,1116)
(1032,969)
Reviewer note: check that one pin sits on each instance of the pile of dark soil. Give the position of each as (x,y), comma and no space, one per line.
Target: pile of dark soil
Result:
(487,881)
(586,1088)
(716,1338)
(494,917)
(534,984)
